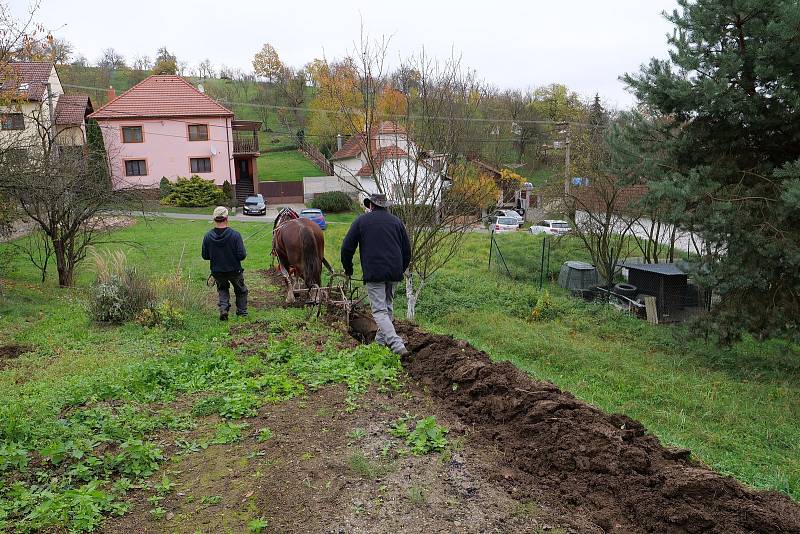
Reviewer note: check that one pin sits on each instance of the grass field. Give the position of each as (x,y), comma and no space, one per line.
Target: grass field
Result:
(285,166)
(82,385)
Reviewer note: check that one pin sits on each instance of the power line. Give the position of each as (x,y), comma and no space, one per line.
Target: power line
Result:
(282,132)
(409,117)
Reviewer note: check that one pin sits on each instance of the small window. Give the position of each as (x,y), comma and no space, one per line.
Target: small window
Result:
(135,167)
(132,134)
(200,164)
(198,132)
(12,121)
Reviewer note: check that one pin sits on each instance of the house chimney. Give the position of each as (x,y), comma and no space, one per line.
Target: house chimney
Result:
(111,94)
(339,141)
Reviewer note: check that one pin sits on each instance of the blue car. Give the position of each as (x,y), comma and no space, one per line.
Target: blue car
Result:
(315,215)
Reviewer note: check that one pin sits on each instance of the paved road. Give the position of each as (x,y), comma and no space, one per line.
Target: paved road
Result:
(269,217)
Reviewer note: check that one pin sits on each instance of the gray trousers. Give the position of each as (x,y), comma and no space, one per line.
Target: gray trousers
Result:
(381,297)
(224,281)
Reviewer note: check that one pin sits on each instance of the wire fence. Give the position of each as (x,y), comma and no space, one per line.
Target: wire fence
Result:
(532,258)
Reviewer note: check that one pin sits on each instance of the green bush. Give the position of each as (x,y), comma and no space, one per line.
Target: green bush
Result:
(120,292)
(545,308)
(165,187)
(120,298)
(332,202)
(166,314)
(194,192)
(227,190)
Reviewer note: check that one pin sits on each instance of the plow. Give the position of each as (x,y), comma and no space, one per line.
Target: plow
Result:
(299,247)
(340,298)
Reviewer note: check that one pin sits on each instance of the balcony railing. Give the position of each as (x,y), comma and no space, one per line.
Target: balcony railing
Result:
(245,142)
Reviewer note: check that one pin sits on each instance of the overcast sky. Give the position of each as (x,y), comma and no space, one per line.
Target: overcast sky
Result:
(585,44)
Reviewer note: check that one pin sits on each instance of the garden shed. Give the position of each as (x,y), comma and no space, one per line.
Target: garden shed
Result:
(664,281)
(577,275)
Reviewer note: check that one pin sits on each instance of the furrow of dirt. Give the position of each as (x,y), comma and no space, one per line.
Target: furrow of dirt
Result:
(604,467)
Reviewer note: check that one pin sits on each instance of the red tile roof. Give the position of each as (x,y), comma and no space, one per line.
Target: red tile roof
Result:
(71,109)
(33,73)
(355,144)
(351,148)
(387,152)
(160,96)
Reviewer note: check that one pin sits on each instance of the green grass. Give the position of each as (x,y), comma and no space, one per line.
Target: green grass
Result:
(285,166)
(91,400)
(737,408)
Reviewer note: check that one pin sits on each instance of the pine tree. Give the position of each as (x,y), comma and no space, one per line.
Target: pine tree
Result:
(722,140)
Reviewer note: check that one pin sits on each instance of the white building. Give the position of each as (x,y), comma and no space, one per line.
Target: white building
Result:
(392,161)
(36,107)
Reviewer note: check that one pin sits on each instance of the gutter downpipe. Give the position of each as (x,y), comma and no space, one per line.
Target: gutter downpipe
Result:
(230,162)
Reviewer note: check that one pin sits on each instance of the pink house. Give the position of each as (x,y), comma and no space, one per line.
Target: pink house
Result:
(165,127)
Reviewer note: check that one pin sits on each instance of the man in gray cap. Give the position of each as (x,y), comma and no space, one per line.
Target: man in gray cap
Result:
(223,246)
(385,255)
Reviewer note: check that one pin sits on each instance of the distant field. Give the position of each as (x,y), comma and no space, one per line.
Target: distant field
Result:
(285,167)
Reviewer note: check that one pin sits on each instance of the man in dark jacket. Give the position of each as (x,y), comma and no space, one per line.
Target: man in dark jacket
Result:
(385,255)
(224,247)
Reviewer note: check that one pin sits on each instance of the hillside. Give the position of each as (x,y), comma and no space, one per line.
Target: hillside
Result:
(251,99)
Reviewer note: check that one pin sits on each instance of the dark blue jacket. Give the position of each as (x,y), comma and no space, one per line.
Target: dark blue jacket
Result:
(384,247)
(225,249)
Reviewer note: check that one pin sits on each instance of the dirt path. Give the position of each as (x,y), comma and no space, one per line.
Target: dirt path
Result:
(327,470)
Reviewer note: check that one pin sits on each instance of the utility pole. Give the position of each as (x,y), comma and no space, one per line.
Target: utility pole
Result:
(566,159)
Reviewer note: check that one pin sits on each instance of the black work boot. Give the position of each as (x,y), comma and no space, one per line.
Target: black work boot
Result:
(223,316)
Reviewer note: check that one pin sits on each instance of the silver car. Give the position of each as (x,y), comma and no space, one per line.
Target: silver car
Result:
(503,224)
(551,226)
(509,213)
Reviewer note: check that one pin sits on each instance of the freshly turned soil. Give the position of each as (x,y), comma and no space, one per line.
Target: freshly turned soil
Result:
(604,467)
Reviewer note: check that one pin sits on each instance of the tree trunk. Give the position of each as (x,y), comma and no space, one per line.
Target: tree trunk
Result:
(411,298)
(62,264)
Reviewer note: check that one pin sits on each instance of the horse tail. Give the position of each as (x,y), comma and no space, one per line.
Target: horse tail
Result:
(312,266)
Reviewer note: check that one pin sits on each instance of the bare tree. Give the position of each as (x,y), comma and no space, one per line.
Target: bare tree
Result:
(517,106)
(205,69)
(601,212)
(413,158)
(19,37)
(111,60)
(165,55)
(142,62)
(38,248)
(65,191)
(80,61)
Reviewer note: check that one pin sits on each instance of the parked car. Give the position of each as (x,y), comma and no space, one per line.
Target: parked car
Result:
(503,224)
(509,213)
(315,215)
(255,205)
(552,227)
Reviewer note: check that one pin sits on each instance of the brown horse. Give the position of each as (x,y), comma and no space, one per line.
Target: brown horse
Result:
(300,248)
